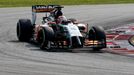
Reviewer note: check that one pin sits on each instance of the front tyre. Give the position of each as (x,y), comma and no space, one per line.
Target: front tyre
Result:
(96,33)
(46,35)
(24,30)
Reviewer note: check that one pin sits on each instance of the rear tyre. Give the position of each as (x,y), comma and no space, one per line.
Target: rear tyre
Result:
(24,30)
(97,33)
(46,35)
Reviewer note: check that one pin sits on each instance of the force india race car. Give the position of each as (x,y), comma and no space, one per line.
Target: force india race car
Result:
(58,32)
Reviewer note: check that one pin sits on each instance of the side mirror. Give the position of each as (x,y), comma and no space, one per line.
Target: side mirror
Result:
(44,20)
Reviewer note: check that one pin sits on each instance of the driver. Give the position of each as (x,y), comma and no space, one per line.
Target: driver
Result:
(57,16)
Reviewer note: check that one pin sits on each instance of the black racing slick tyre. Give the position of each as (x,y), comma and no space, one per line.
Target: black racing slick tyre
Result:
(46,35)
(24,30)
(97,33)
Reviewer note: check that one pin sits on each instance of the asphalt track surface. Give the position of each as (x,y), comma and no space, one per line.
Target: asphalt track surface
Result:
(20,58)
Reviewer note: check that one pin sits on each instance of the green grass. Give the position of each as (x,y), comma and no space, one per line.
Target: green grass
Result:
(16,3)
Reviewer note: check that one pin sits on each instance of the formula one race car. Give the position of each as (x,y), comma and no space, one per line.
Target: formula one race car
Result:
(56,31)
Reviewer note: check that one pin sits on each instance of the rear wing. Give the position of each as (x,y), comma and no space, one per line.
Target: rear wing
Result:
(44,8)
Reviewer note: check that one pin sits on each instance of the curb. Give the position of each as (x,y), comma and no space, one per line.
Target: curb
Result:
(120,41)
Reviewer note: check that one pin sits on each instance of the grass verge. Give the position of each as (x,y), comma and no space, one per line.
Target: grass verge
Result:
(25,3)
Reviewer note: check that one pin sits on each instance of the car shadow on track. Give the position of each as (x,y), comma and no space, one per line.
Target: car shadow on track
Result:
(14,41)
(67,51)
(35,47)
